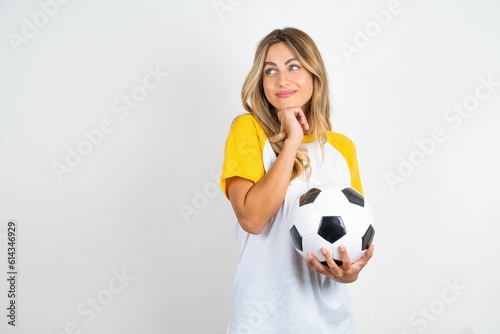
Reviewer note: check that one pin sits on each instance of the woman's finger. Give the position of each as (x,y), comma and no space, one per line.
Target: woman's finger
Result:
(301,117)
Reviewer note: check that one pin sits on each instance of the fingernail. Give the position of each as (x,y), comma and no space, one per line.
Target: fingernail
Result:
(323,251)
(342,248)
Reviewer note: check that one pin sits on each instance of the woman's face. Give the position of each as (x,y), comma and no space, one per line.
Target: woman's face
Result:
(287,84)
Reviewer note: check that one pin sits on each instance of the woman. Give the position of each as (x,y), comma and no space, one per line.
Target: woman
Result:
(274,153)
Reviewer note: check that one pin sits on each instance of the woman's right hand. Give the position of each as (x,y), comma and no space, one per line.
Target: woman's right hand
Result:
(294,124)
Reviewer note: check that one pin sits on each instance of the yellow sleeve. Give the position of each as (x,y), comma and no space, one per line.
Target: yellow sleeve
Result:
(243,152)
(348,150)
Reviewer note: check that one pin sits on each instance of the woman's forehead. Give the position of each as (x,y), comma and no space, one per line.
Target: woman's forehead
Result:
(279,52)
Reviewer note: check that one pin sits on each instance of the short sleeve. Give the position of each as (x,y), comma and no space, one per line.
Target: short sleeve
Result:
(243,151)
(348,150)
(352,161)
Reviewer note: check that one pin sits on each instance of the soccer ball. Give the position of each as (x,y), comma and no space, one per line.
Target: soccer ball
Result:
(332,216)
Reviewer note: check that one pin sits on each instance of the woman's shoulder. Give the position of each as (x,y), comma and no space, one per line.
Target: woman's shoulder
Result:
(246,121)
(340,140)
(339,137)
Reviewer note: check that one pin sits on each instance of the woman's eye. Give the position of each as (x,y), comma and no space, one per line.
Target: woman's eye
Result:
(270,71)
(294,67)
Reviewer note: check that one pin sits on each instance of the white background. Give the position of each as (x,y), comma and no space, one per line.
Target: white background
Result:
(143,203)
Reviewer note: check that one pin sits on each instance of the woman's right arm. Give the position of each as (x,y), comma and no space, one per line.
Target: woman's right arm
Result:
(256,203)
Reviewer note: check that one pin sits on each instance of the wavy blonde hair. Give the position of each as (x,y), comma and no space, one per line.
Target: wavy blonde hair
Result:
(318,108)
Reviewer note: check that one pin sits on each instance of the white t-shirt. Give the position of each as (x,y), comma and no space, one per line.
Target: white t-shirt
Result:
(274,290)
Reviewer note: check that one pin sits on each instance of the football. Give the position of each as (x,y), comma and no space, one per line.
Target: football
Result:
(329,217)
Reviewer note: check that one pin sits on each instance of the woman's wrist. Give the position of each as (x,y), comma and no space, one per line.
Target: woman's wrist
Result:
(293,142)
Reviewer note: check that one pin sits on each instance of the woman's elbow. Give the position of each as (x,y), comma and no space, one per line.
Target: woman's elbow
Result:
(252,226)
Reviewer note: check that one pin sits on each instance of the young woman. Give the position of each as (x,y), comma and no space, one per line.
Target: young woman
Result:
(274,153)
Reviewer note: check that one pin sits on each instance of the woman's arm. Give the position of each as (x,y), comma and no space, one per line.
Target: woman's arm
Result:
(256,203)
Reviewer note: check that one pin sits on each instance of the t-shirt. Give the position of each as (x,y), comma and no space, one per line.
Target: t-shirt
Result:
(274,291)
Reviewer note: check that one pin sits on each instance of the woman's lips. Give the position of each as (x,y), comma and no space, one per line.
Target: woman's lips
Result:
(286,93)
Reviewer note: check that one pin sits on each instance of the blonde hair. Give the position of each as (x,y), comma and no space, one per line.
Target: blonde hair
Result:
(318,110)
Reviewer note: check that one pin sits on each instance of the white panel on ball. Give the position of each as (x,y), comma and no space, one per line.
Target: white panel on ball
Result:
(313,243)
(302,219)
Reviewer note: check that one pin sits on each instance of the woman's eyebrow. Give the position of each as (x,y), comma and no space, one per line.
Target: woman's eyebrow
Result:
(274,64)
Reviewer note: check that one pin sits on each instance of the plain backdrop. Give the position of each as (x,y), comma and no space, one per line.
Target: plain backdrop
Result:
(113,119)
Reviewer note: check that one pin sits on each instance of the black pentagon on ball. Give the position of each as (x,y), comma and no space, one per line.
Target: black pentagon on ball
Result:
(354,197)
(309,196)
(296,238)
(338,262)
(367,239)
(331,228)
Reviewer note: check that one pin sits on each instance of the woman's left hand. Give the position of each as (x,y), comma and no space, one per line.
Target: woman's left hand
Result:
(347,272)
